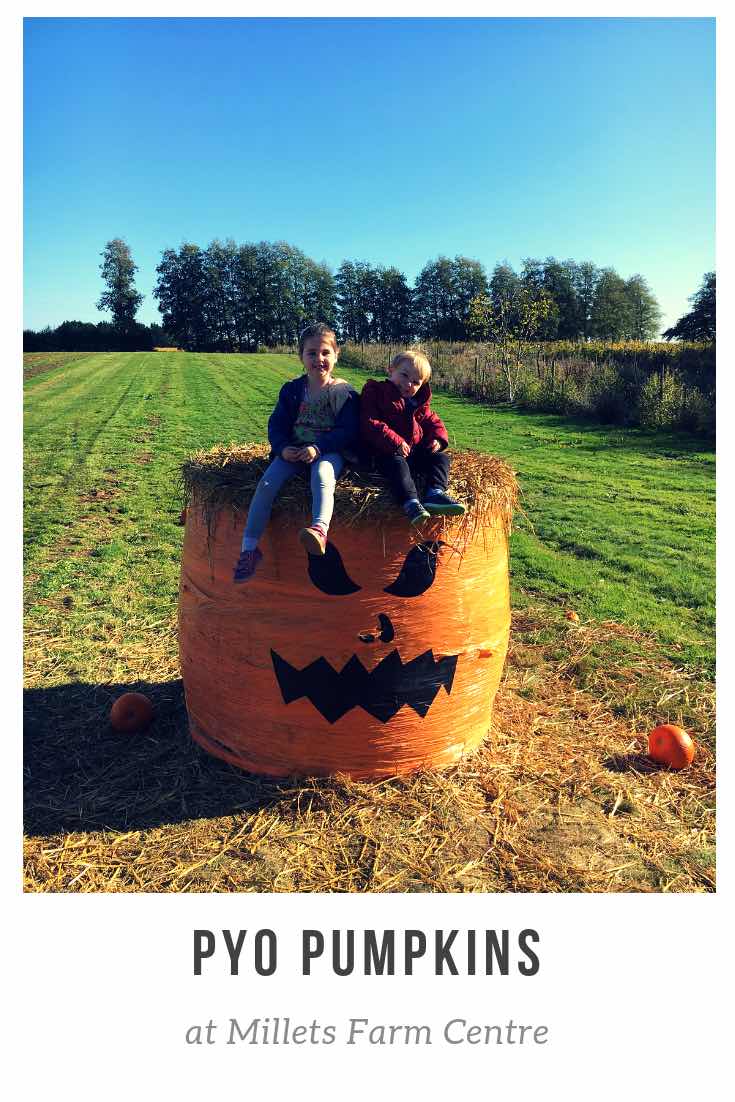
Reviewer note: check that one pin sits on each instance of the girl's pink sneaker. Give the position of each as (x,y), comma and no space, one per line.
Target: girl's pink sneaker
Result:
(313,540)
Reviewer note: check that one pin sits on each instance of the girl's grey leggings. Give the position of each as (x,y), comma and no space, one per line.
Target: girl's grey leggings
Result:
(323,472)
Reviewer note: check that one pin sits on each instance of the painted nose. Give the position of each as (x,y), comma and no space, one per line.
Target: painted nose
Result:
(386,635)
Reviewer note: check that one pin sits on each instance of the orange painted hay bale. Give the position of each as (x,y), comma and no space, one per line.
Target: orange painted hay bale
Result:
(381,658)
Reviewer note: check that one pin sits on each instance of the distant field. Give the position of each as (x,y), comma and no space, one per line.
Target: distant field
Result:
(618,525)
(35,363)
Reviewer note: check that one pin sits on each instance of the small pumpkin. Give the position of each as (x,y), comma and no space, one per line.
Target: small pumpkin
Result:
(131,712)
(572,616)
(671,745)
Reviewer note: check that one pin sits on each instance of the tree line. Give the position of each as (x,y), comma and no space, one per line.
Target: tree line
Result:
(86,336)
(231,298)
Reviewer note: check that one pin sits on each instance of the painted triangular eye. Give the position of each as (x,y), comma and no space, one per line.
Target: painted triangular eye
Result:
(418,570)
(327,572)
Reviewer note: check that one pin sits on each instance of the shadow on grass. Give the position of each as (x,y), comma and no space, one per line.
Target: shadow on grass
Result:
(602,435)
(81,775)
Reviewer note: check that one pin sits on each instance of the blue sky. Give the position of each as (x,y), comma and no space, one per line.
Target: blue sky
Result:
(386,140)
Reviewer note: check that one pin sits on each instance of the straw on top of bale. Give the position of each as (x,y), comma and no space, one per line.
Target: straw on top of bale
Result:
(226,477)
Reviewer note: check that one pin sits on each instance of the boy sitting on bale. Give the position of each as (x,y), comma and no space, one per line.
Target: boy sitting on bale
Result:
(406,437)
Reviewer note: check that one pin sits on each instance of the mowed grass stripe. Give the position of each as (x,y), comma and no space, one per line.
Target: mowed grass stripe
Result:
(68,369)
(79,399)
(93,429)
(228,400)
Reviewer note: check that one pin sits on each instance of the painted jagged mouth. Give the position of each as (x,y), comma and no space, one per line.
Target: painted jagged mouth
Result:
(381,692)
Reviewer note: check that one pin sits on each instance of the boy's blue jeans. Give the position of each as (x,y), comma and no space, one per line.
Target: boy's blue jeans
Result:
(323,472)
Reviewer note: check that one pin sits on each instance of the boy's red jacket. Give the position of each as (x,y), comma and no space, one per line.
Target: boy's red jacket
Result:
(386,420)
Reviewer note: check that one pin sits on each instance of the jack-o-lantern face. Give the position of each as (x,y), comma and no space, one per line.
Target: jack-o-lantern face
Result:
(383,690)
(378,657)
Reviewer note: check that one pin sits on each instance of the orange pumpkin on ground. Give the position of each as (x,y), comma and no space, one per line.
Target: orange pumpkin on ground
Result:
(131,712)
(671,745)
(572,616)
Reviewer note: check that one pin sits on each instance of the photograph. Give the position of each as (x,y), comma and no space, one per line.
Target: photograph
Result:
(369,458)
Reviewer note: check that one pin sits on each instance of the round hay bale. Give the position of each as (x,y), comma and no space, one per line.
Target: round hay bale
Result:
(379,658)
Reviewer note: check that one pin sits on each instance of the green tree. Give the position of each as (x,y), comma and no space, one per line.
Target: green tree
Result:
(219,263)
(559,284)
(357,296)
(530,312)
(504,282)
(645,312)
(469,281)
(700,323)
(393,306)
(319,294)
(290,291)
(181,291)
(120,298)
(276,292)
(442,295)
(268,292)
(611,315)
(586,277)
(245,291)
(505,287)
(433,299)
(535,277)
(480,318)
(511,319)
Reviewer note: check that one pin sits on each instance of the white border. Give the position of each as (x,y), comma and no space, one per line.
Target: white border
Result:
(101,987)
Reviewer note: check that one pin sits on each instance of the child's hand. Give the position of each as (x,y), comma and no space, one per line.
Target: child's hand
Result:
(308,453)
(404,449)
(291,453)
(434,446)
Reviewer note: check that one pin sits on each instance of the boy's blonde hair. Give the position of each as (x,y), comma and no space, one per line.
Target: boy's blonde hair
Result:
(413,356)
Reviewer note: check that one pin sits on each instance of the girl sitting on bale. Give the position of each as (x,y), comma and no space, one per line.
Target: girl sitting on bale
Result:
(407,438)
(315,419)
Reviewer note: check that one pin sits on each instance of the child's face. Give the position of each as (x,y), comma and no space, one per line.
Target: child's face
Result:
(319,357)
(407,377)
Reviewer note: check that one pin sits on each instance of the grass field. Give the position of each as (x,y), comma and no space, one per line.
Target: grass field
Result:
(618,525)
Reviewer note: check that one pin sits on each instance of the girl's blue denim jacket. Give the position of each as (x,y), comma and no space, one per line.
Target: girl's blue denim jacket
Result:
(281,422)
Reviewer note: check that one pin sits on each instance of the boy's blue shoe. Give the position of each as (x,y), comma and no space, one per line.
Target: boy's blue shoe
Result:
(437,503)
(415,512)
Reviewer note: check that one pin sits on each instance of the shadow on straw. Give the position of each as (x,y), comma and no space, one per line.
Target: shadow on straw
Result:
(80,774)
(631,763)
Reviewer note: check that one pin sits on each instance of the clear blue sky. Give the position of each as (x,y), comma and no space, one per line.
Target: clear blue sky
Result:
(386,140)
